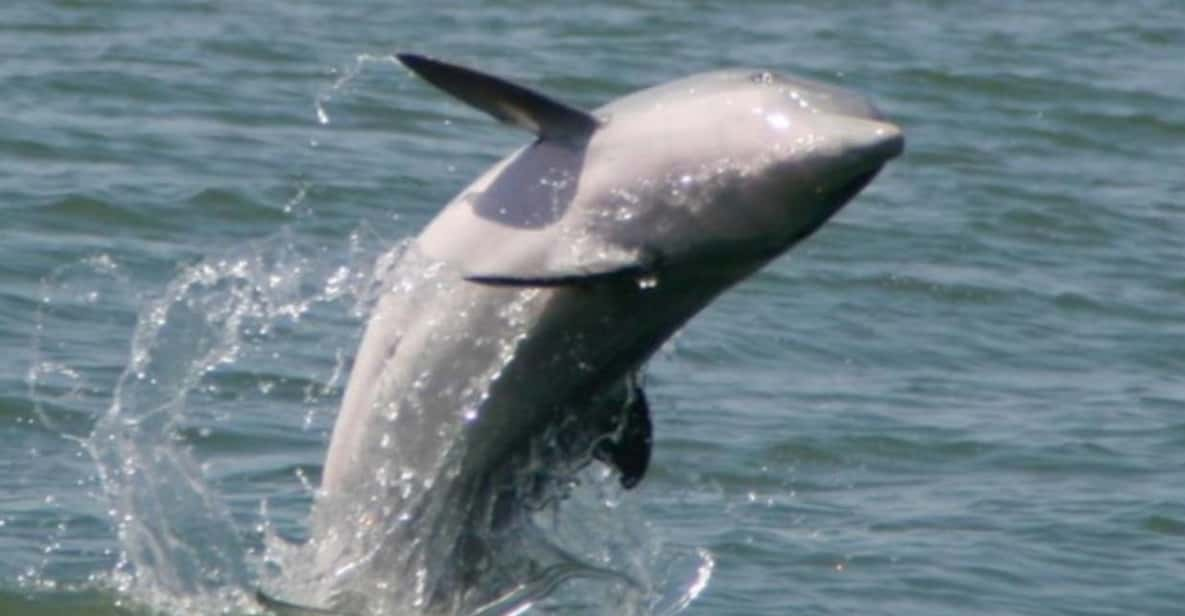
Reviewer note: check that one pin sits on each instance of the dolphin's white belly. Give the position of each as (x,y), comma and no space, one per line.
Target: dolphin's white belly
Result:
(447,366)
(452,385)
(430,351)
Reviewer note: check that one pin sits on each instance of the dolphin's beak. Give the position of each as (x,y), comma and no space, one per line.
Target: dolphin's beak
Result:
(875,142)
(888,142)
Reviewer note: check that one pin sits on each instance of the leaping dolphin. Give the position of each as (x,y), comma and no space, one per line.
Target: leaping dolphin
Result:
(509,340)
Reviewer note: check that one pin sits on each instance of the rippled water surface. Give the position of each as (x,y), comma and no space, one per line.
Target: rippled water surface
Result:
(965,395)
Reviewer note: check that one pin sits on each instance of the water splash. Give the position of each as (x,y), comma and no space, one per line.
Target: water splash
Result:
(222,325)
(180,545)
(344,77)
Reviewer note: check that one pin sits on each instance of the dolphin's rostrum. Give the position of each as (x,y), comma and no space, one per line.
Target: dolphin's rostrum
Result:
(509,342)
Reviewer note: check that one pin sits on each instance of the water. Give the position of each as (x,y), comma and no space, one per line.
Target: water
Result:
(965,393)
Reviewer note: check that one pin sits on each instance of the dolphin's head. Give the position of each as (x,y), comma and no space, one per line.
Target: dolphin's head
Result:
(738,164)
(718,172)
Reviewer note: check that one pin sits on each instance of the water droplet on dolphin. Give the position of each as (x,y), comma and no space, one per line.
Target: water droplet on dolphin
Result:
(778,121)
(624,214)
(647,282)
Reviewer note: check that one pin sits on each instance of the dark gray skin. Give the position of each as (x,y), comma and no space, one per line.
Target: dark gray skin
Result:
(521,314)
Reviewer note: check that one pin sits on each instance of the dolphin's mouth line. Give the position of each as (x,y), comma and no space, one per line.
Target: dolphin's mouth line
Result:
(852,187)
(839,196)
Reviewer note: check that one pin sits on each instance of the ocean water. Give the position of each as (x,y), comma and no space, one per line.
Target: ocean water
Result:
(966,394)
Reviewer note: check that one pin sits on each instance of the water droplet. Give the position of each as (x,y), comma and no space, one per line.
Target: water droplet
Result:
(778,121)
(648,282)
(764,77)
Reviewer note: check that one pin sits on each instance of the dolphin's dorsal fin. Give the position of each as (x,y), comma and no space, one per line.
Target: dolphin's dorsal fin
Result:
(506,101)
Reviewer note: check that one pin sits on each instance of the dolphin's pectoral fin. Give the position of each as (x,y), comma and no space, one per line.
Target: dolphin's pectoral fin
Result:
(628,450)
(506,101)
(637,267)
(284,608)
(563,279)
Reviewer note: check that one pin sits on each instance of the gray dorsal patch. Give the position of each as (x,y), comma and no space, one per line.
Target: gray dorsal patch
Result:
(506,101)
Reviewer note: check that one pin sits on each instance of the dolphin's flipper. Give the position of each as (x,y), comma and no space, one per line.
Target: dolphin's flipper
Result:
(610,265)
(628,450)
(508,102)
(634,271)
(284,608)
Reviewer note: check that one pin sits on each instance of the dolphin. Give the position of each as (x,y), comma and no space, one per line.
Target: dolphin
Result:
(507,345)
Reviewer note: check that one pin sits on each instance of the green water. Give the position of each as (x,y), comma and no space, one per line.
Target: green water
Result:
(965,395)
